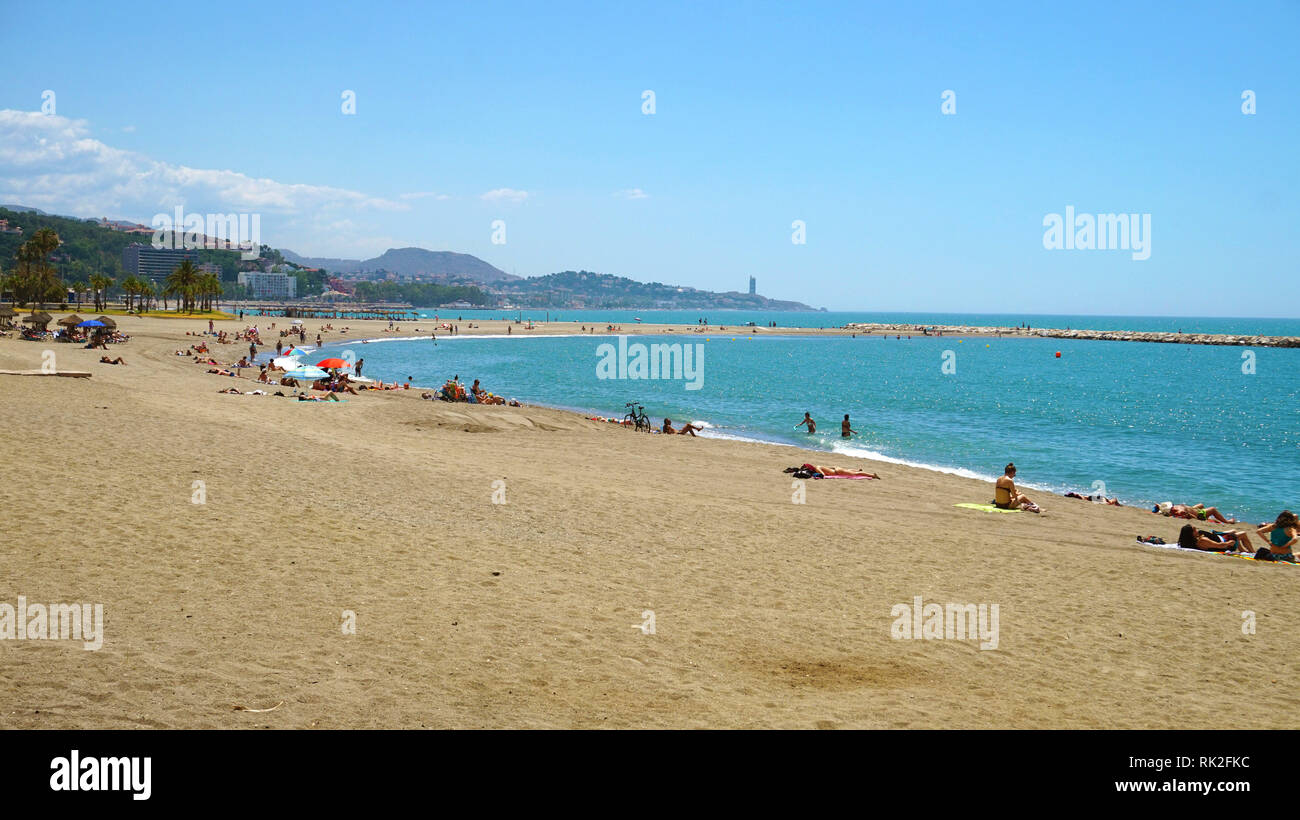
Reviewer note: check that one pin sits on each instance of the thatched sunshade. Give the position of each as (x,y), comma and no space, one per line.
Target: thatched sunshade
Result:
(71,321)
(40,317)
(7,312)
(108,323)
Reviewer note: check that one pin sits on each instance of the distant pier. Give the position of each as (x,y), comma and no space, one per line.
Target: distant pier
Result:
(1161,337)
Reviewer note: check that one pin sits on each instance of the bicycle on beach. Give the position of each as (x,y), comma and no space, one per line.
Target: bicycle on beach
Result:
(637,417)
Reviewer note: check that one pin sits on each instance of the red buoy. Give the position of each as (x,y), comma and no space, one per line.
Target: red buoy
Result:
(1058,354)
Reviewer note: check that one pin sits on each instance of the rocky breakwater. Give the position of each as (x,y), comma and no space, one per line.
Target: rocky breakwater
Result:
(1100,335)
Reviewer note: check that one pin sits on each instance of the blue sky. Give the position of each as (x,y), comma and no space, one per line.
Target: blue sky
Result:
(765,114)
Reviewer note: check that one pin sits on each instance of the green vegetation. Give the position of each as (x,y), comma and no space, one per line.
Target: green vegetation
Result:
(34,278)
(421,294)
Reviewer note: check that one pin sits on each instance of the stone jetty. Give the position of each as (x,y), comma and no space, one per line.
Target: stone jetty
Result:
(1059,333)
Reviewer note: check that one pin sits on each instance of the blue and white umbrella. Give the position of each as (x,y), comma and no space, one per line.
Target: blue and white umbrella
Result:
(309,373)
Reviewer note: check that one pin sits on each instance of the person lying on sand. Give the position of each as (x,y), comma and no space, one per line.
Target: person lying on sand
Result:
(106,360)
(1114,502)
(688,429)
(827,471)
(1198,512)
(1191,538)
(1007,497)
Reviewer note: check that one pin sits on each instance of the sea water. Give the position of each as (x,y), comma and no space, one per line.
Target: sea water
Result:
(1147,422)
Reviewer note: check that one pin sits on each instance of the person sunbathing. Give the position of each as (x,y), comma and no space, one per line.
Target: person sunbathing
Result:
(1283,537)
(1198,512)
(827,471)
(1007,497)
(106,360)
(687,429)
(1191,538)
(1114,502)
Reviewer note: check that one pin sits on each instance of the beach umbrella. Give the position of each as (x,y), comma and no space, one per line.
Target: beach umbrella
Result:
(297,351)
(286,363)
(332,364)
(7,312)
(38,317)
(90,323)
(108,322)
(307,374)
(70,321)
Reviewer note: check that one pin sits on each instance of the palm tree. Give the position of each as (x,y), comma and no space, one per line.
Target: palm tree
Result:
(137,289)
(144,288)
(181,283)
(37,277)
(210,287)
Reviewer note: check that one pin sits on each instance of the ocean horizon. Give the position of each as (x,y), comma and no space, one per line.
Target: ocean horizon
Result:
(1226,325)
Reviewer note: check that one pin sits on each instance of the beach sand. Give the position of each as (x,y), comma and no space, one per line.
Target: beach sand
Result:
(473,614)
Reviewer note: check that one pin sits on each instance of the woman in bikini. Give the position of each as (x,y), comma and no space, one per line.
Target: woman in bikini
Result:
(1191,538)
(1283,537)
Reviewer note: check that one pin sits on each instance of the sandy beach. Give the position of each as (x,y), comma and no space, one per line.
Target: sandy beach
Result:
(469,613)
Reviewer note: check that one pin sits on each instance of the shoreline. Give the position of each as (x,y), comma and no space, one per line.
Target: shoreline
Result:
(832,447)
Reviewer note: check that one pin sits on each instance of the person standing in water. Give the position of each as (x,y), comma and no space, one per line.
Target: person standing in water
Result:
(807,420)
(845,429)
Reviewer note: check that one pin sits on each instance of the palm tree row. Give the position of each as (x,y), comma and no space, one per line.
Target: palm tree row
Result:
(194,290)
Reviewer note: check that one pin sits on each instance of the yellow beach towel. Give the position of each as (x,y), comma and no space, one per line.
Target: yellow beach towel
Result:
(985,508)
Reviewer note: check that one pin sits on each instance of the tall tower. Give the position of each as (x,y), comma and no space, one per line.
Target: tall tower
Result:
(753,286)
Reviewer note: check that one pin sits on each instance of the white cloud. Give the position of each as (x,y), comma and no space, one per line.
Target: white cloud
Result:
(424,195)
(506,195)
(52,163)
(632,193)
(130,129)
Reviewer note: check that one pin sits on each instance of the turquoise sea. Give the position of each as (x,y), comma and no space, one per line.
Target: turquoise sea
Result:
(1152,422)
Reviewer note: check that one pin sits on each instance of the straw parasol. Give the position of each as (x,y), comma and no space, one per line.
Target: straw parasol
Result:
(7,315)
(71,321)
(108,322)
(38,317)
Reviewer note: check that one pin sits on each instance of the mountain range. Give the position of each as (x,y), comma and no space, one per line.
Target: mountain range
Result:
(409,262)
(89,245)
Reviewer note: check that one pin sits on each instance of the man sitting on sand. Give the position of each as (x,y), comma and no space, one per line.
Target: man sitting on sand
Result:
(688,429)
(106,360)
(1007,497)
